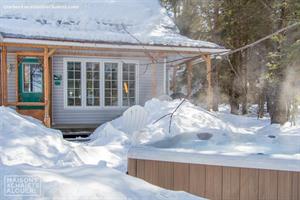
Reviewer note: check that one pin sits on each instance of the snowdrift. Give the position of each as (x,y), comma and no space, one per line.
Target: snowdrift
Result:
(70,170)
(91,182)
(25,140)
(194,129)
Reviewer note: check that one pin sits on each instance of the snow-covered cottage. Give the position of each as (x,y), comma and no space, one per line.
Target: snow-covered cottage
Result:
(71,62)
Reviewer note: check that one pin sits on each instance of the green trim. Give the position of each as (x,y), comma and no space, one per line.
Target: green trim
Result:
(29,96)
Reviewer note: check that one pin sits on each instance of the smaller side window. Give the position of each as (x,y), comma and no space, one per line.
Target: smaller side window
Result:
(129,84)
(111,84)
(74,84)
(92,84)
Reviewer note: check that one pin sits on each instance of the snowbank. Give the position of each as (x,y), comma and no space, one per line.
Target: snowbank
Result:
(90,182)
(70,170)
(196,130)
(25,140)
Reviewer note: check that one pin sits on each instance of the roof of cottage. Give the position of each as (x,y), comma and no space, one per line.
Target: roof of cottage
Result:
(98,21)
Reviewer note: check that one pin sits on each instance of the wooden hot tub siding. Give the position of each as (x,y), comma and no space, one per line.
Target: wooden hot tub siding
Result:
(219,182)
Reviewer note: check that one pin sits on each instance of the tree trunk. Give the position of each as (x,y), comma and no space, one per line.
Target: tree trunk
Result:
(215,85)
(279,110)
(261,103)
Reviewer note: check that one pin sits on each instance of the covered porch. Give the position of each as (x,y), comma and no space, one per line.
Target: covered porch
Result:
(45,50)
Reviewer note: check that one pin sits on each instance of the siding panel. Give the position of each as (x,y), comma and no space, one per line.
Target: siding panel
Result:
(11,77)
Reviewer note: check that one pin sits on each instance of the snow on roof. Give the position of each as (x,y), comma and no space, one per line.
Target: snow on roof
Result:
(106,21)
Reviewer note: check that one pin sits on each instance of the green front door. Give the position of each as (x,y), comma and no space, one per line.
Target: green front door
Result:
(30,82)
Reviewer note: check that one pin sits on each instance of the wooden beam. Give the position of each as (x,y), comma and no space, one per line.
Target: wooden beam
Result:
(17,78)
(190,59)
(174,79)
(30,53)
(51,52)
(209,82)
(47,119)
(154,79)
(4,75)
(189,79)
(166,52)
(103,55)
(25,103)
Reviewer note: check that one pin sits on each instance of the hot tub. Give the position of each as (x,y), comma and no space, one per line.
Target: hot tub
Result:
(228,175)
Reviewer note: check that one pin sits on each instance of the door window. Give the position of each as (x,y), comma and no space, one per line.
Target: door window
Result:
(32,78)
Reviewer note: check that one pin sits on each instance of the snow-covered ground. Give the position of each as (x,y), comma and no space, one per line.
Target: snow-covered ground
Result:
(28,148)
(65,170)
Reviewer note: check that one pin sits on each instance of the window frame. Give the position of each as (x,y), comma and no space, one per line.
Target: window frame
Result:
(136,84)
(85,85)
(83,80)
(65,83)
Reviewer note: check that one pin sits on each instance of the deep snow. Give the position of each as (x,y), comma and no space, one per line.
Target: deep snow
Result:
(68,170)
(27,147)
(90,182)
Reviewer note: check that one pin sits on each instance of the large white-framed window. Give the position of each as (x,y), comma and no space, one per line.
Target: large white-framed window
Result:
(91,83)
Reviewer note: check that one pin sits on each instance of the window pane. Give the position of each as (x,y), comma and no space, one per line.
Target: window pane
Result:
(71,66)
(96,101)
(111,84)
(96,83)
(92,83)
(77,83)
(74,83)
(71,102)
(78,66)
(128,84)
(89,75)
(71,93)
(71,74)
(89,102)
(71,83)
(96,75)
(32,78)
(77,101)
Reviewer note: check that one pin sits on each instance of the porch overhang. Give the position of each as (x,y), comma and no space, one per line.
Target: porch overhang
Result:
(73,44)
(46,48)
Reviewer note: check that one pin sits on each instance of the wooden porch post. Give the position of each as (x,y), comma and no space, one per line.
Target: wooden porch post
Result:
(174,79)
(189,79)
(4,75)
(154,79)
(209,81)
(47,119)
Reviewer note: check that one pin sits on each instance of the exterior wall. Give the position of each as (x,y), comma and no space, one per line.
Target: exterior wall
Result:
(61,115)
(219,182)
(11,77)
